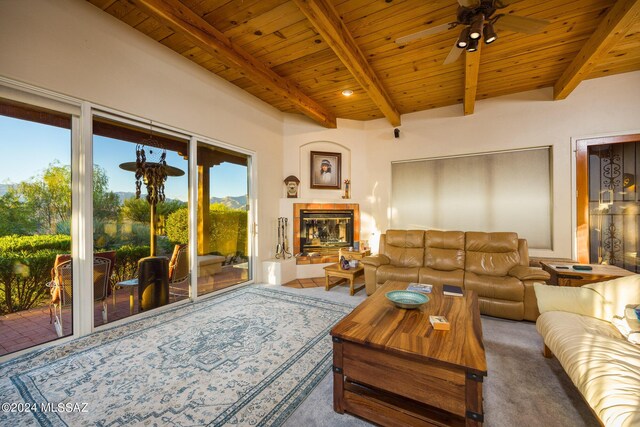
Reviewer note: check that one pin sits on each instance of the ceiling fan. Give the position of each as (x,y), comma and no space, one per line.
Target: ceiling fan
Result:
(478,18)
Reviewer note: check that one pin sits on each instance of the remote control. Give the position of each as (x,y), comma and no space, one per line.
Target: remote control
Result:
(582,267)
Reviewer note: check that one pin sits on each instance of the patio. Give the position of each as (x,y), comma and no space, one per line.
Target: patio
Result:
(28,328)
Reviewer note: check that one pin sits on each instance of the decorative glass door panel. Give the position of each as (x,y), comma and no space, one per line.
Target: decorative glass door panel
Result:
(614,221)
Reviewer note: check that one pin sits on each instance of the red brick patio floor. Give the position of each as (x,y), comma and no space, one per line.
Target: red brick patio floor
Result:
(28,328)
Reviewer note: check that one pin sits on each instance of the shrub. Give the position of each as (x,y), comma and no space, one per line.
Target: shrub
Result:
(59,242)
(23,276)
(227,234)
(126,265)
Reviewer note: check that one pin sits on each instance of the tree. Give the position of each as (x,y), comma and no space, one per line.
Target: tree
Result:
(15,215)
(138,210)
(48,196)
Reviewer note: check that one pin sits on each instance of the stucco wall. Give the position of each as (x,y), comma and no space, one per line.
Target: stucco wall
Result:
(73,48)
(605,106)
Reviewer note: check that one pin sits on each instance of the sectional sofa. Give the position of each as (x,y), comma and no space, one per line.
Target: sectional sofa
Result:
(494,265)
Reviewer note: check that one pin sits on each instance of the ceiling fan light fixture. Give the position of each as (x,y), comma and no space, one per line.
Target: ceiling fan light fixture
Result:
(463,39)
(489,34)
(475,29)
(473,45)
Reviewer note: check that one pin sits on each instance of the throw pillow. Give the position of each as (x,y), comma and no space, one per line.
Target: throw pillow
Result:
(629,326)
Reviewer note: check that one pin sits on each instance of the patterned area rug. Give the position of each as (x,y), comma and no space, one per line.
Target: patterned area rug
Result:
(245,357)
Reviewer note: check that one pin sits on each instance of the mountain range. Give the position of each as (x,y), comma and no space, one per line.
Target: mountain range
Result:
(232,202)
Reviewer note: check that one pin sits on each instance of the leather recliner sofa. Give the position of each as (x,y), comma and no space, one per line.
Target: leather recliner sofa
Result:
(494,265)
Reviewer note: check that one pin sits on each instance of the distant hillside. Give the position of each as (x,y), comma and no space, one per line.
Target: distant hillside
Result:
(124,195)
(237,202)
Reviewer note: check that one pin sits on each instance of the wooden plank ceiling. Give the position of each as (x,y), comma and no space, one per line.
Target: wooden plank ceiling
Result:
(300,55)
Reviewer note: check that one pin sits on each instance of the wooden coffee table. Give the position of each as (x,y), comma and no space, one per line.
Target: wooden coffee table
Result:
(563,274)
(391,367)
(334,270)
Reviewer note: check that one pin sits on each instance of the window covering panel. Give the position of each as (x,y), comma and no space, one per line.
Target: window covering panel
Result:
(505,191)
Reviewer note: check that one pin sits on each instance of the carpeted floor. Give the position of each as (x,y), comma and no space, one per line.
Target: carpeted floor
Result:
(522,387)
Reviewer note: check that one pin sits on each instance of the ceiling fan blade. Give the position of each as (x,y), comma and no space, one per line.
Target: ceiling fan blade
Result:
(423,33)
(454,54)
(469,3)
(521,24)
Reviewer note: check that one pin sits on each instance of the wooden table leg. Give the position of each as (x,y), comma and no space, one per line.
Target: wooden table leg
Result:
(338,377)
(475,414)
(326,281)
(351,292)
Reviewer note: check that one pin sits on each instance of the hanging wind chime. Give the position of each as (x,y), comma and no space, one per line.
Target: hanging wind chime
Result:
(152,170)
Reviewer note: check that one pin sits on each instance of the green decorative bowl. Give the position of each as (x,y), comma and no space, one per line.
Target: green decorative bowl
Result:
(407,299)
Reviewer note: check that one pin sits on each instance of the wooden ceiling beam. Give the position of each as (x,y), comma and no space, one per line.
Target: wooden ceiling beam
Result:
(471,69)
(328,23)
(613,27)
(184,21)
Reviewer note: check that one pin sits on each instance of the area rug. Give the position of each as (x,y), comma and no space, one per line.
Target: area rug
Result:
(246,357)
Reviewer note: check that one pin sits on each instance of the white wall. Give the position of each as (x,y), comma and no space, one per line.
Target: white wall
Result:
(604,106)
(73,48)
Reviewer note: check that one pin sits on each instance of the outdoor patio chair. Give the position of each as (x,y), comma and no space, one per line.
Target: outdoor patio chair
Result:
(179,272)
(61,285)
(61,288)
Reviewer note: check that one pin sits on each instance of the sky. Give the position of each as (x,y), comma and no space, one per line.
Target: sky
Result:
(28,148)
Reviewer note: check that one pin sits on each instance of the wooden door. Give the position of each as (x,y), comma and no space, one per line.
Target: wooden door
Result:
(608,214)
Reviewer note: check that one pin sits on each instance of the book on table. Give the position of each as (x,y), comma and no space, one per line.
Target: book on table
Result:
(451,290)
(440,323)
(420,287)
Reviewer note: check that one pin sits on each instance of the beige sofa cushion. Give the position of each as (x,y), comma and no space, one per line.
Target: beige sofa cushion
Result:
(405,248)
(495,287)
(604,367)
(403,274)
(491,254)
(444,250)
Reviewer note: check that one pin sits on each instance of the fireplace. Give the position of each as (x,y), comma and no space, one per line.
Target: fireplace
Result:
(324,232)
(320,230)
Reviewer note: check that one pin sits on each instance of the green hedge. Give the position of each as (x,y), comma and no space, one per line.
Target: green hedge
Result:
(59,242)
(23,276)
(227,234)
(24,271)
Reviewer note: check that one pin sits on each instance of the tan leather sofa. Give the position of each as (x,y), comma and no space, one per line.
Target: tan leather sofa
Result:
(494,265)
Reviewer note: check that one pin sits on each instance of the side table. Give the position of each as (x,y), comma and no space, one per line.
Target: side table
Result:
(563,274)
(349,255)
(334,270)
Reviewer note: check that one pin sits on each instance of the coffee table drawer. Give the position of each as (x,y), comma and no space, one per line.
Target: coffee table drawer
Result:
(424,381)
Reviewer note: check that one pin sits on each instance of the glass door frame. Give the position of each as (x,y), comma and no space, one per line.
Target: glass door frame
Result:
(252,223)
(582,188)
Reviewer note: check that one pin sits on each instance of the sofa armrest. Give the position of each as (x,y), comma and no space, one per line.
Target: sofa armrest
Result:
(528,273)
(376,260)
(584,301)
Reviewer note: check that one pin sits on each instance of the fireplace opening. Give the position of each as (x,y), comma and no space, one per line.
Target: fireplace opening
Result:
(324,232)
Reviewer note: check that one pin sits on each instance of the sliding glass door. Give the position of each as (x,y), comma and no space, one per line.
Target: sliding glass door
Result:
(76,180)
(36,281)
(140,208)
(222,218)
